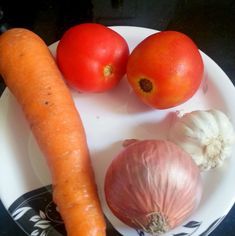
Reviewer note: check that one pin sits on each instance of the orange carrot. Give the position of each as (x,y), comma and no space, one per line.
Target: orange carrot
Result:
(31,74)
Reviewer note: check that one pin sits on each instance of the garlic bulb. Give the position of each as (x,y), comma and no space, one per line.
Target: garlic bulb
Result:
(206,135)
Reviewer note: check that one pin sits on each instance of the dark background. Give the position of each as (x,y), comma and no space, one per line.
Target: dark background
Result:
(209,23)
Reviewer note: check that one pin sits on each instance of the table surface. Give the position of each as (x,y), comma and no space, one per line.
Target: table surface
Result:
(209,23)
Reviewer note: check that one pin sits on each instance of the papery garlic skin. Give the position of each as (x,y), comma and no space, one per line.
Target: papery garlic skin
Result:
(207,136)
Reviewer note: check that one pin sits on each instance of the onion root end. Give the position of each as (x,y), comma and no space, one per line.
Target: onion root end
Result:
(156,224)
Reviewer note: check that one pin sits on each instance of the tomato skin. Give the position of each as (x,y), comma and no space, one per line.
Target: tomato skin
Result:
(171,64)
(92,57)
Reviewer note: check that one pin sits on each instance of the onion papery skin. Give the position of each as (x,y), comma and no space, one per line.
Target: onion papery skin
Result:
(153,185)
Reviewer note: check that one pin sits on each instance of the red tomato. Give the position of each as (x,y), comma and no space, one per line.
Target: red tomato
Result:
(92,57)
(165,69)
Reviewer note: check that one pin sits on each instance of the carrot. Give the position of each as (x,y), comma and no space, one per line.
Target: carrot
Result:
(31,74)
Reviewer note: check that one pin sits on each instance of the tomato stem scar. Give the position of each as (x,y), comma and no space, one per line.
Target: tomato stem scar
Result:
(146,85)
(108,70)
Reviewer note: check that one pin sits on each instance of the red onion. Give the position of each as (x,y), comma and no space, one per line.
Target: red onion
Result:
(153,185)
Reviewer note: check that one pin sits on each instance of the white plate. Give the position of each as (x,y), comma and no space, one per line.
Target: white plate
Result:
(110,118)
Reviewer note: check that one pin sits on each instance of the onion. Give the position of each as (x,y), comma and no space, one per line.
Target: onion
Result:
(153,185)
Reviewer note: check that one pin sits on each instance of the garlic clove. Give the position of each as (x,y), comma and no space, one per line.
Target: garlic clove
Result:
(201,129)
(224,125)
